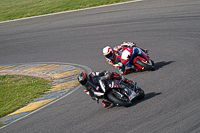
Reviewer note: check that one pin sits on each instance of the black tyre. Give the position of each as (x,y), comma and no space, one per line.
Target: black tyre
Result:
(145,65)
(152,62)
(141,94)
(116,99)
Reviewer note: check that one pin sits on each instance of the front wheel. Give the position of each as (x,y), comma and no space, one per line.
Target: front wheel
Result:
(152,62)
(140,93)
(145,65)
(119,99)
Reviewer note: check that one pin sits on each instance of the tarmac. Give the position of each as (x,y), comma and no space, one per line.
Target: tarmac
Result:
(62,75)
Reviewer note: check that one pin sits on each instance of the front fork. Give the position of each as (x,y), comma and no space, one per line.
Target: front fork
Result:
(130,93)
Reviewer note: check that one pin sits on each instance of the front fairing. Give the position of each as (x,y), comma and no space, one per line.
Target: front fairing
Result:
(122,88)
(127,54)
(125,58)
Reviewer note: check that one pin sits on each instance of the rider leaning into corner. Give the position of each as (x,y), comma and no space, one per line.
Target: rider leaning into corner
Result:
(113,55)
(92,86)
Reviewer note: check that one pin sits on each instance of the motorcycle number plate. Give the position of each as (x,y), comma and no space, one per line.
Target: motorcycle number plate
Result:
(132,96)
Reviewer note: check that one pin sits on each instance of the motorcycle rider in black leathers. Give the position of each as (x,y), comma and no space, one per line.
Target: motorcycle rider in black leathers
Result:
(92,86)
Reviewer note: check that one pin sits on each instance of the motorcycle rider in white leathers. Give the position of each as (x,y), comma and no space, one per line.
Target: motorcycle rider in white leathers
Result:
(113,55)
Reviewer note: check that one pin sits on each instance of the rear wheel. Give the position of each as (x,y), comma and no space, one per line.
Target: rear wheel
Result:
(119,99)
(145,65)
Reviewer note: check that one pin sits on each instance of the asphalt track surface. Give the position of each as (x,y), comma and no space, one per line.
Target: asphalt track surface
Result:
(168,28)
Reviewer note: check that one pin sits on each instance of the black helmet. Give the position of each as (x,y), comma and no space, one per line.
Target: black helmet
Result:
(82,78)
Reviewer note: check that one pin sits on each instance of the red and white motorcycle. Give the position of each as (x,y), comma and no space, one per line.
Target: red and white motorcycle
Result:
(139,61)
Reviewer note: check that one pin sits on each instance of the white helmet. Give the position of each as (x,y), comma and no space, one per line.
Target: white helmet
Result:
(108,52)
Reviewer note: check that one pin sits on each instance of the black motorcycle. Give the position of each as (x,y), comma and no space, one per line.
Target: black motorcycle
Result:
(119,93)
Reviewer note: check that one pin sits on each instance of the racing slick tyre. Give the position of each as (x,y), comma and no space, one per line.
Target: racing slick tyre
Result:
(116,98)
(141,94)
(145,65)
(152,62)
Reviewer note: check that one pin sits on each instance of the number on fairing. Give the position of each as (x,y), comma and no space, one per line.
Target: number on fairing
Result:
(132,96)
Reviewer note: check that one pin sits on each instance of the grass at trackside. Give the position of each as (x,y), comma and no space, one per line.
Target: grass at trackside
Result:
(2,124)
(13,9)
(17,91)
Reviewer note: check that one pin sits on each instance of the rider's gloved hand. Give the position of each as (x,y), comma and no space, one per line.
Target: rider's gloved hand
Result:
(106,74)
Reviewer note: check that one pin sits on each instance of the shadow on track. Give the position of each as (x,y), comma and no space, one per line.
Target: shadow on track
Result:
(135,101)
(159,65)
(147,96)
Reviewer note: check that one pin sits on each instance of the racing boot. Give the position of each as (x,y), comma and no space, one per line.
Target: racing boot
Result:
(126,72)
(106,104)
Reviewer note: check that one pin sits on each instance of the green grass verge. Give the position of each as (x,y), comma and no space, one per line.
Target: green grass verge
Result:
(14,9)
(2,124)
(18,91)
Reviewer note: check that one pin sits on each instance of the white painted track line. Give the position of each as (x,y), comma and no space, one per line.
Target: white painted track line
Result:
(71,11)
